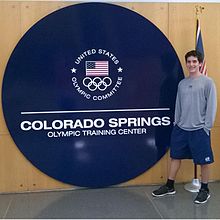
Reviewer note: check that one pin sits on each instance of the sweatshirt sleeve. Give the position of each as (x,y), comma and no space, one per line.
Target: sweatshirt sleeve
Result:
(177,108)
(211,106)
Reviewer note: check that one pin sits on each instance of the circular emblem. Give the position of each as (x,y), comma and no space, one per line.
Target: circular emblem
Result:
(97,74)
(88,99)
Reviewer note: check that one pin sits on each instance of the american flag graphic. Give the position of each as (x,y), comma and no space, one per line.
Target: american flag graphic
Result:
(199,47)
(97,68)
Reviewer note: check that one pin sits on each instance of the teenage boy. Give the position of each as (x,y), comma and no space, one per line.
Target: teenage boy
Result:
(195,111)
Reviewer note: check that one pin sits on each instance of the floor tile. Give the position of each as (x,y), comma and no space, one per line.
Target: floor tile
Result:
(101,203)
(29,205)
(5,201)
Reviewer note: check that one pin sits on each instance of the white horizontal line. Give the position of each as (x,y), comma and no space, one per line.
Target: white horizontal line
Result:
(184,1)
(95,111)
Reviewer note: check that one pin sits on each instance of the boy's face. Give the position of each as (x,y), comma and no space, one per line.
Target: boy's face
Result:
(193,64)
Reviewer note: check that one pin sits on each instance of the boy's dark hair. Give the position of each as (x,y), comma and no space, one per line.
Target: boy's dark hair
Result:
(194,53)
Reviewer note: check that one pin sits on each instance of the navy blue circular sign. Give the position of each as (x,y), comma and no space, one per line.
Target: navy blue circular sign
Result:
(89,94)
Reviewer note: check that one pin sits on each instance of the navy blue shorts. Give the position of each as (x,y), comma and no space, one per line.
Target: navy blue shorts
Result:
(194,145)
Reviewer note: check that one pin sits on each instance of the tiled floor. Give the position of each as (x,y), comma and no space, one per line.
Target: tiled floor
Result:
(124,202)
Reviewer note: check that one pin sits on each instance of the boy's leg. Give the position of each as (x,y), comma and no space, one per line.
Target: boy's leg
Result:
(203,194)
(168,188)
(205,173)
(178,149)
(203,155)
(174,167)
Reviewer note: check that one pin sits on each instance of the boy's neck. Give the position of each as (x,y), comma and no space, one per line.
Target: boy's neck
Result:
(195,74)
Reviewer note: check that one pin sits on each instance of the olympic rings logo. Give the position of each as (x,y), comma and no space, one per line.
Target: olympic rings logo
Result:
(97,83)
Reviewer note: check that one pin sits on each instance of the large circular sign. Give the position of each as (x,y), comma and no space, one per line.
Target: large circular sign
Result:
(89,94)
